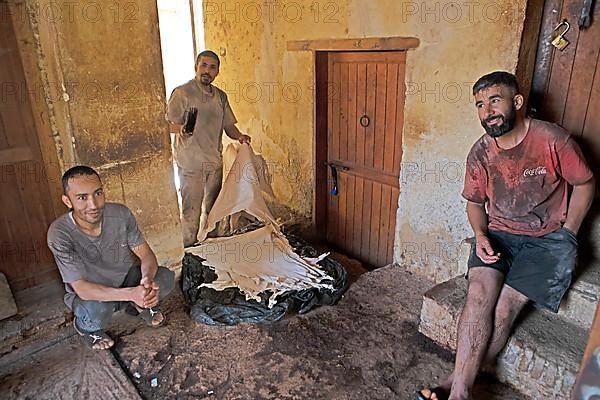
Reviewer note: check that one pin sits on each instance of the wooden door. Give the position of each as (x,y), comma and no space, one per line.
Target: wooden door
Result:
(25,204)
(566,84)
(364,149)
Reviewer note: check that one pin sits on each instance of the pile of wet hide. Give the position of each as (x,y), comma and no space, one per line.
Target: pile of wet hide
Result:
(229,306)
(254,272)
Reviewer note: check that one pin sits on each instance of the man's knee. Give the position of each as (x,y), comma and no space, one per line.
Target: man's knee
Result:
(165,278)
(484,288)
(510,304)
(93,315)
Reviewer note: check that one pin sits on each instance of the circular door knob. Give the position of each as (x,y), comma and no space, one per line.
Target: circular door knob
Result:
(365,121)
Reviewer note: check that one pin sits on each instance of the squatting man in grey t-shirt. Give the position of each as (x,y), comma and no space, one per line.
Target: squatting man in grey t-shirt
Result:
(198,153)
(103,259)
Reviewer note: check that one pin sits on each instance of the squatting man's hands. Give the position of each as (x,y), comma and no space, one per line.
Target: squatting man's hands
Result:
(146,294)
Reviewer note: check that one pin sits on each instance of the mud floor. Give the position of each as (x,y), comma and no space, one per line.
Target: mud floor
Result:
(366,347)
(66,370)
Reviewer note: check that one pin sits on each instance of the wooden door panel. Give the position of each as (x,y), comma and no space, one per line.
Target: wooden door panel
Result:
(361,106)
(369,131)
(567,89)
(384,233)
(25,204)
(374,226)
(380,116)
(351,111)
(390,106)
(365,226)
(351,208)
(359,184)
(361,218)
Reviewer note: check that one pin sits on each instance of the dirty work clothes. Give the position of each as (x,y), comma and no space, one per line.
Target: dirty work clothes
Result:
(539,267)
(202,150)
(105,259)
(94,315)
(199,190)
(526,187)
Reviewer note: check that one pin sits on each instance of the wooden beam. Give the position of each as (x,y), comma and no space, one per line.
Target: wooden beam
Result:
(358,44)
(15,155)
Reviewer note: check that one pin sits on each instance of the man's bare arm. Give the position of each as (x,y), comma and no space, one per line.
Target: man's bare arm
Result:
(477,218)
(233,132)
(479,222)
(93,291)
(149,264)
(175,128)
(581,201)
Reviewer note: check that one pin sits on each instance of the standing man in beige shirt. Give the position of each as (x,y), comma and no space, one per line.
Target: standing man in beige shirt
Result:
(198,154)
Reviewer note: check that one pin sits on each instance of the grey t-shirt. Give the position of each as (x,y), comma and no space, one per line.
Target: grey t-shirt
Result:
(104,259)
(202,150)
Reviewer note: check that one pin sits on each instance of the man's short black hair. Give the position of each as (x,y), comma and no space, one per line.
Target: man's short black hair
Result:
(208,53)
(77,170)
(496,78)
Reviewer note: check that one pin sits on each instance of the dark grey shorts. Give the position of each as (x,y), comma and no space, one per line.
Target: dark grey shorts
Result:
(539,267)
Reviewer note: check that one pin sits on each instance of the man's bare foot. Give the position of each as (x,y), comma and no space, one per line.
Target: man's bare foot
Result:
(97,340)
(104,344)
(153,317)
(436,393)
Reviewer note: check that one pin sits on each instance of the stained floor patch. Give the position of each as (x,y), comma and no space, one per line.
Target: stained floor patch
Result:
(67,370)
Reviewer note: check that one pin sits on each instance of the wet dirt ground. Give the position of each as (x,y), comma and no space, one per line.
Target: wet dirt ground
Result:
(365,347)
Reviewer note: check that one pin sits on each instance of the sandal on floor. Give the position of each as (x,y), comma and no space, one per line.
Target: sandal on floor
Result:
(440,392)
(148,314)
(91,338)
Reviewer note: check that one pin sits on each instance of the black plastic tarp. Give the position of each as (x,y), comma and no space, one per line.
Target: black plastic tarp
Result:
(230,307)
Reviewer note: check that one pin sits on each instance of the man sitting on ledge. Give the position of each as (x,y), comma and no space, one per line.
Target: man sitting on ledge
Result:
(528,188)
(103,259)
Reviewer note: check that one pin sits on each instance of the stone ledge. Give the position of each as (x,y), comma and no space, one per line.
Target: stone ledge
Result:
(542,357)
(580,303)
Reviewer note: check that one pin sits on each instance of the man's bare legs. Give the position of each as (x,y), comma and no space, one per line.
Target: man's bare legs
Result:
(475,328)
(508,306)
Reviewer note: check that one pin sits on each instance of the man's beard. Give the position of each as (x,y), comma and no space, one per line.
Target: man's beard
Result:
(205,79)
(507,125)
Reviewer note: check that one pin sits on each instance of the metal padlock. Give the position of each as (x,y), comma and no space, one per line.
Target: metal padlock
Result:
(559,41)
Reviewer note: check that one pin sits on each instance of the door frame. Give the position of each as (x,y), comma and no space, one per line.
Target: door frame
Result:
(321,49)
(320,148)
(323,95)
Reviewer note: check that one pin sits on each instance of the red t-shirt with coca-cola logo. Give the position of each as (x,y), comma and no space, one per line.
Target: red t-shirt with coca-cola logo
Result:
(526,188)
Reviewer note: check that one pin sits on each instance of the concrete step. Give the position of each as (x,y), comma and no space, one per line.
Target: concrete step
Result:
(542,357)
(579,305)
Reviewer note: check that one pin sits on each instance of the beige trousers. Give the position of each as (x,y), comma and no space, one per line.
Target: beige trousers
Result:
(199,190)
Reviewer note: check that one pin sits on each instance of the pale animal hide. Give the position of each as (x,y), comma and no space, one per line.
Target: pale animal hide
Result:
(241,191)
(258,260)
